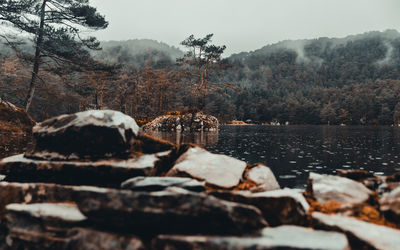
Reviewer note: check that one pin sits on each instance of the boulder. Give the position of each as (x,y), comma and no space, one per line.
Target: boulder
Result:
(33,193)
(173,210)
(14,119)
(370,180)
(92,134)
(216,170)
(390,205)
(361,235)
(106,172)
(325,188)
(355,174)
(54,226)
(284,206)
(183,122)
(263,178)
(161,183)
(39,226)
(283,237)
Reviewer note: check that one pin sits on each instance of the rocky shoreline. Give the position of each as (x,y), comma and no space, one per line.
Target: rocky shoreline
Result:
(92,180)
(14,119)
(196,121)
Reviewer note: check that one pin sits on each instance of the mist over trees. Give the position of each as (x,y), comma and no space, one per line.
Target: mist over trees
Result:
(352,80)
(54,27)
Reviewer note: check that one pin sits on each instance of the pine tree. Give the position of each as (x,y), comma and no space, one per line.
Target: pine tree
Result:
(202,62)
(55,26)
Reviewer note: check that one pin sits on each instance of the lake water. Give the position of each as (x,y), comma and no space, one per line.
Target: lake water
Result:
(290,151)
(294,151)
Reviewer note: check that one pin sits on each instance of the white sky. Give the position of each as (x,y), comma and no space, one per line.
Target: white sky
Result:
(244,25)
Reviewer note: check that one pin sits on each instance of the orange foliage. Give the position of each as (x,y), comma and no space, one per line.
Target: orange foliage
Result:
(364,212)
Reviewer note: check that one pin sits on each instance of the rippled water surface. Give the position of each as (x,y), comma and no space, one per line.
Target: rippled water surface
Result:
(291,151)
(294,151)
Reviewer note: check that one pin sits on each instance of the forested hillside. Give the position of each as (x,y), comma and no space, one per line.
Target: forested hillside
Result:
(352,80)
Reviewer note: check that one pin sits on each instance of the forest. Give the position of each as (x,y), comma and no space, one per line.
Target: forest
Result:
(351,80)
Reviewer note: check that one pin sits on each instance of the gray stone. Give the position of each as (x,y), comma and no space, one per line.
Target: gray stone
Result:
(160,183)
(90,134)
(361,234)
(32,193)
(106,173)
(56,226)
(263,177)
(284,206)
(283,237)
(64,212)
(216,170)
(390,205)
(326,188)
(39,226)
(173,210)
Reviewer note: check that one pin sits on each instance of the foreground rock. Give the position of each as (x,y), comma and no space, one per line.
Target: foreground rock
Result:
(284,237)
(390,205)
(185,122)
(14,119)
(161,183)
(56,226)
(106,173)
(216,170)
(370,180)
(37,226)
(325,188)
(90,134)
(173,210)
(33,193)
(362,235)
(261,177)
(279,207)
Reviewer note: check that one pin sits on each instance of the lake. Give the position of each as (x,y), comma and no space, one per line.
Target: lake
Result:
(294,151)
(290,151)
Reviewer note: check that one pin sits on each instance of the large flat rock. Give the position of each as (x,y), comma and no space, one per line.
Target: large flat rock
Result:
(362,235)
(284,206)
(58,226)
(106,173)
(36,226)
(217,170)
(156,183)
(67,213)
(33,193)
(90,134)
(173,210)
(325,188)
(283,237)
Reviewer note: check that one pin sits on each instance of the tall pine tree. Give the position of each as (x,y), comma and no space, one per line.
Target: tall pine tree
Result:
(55,27)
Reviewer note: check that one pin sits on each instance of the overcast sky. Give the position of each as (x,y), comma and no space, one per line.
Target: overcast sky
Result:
(244,25)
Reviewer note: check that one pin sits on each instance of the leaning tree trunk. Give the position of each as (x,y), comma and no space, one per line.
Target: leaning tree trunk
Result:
(36,62)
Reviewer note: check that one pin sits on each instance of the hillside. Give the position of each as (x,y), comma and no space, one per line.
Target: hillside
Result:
(351,80)
(299,81)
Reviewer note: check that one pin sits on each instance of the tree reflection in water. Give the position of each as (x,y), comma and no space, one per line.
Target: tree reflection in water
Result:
(200,138)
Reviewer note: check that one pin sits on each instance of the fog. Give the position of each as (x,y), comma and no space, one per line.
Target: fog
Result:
(244,25)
